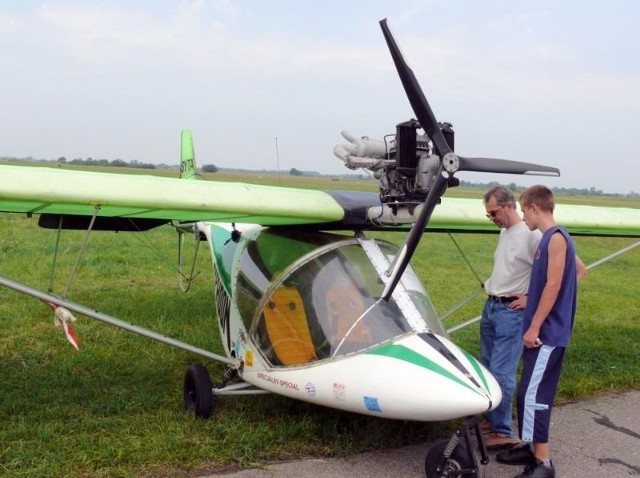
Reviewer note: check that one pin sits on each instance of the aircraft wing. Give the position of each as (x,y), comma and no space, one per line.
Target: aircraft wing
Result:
(41,190)
(461,214)
(56,191)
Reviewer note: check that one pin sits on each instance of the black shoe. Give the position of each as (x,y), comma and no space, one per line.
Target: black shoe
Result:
(538,470)
(520,455)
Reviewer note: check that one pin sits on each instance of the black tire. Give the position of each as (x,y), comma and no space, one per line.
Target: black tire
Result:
(198,393)
(435,465)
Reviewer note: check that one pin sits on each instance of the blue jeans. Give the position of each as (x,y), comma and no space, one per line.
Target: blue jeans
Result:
(500,350)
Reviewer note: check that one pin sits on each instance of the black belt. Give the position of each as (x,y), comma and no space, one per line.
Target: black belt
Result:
(504,300)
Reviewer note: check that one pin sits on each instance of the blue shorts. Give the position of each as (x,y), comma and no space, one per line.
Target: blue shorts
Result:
(537,390)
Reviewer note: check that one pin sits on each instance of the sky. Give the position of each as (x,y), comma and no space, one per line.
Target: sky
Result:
(268,84)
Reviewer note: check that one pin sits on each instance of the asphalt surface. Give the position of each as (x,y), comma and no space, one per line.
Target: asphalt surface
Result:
(590,439)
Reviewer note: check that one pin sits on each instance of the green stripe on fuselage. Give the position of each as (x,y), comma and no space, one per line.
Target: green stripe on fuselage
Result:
(220,238)
(401,352)
(476,366)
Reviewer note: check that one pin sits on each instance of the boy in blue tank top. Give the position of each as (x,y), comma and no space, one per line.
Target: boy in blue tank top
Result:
(548,321)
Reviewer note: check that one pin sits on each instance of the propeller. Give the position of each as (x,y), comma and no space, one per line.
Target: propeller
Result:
(449,161)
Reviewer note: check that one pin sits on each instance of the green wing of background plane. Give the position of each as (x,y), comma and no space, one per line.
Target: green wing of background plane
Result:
(41,190)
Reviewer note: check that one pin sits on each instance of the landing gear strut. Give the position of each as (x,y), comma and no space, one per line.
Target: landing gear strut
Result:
(450,458)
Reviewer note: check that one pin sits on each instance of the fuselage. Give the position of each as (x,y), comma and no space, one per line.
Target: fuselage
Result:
(302,310)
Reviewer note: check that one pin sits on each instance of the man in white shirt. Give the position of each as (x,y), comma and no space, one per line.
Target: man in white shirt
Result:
(502,315)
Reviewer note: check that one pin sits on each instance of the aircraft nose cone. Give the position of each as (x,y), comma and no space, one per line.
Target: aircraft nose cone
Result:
(435,379)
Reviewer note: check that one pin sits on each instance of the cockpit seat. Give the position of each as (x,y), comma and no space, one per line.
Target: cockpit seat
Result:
(288,327)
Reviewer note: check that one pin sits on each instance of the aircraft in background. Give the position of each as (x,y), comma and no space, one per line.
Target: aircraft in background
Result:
(304,309)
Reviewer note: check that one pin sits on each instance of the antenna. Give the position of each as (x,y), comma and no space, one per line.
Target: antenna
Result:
(278,161)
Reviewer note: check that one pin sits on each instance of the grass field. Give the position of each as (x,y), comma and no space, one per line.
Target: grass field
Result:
(115,408)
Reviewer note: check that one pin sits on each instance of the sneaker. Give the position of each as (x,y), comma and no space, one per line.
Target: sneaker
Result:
(520,455)
(538,470)
(495,440)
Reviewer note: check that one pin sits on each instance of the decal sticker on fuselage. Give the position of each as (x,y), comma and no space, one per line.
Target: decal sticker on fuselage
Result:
(310,389)
(339,391)
(372,404)
(278,381)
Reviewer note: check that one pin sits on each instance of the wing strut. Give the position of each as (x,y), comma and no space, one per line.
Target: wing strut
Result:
(614,255)
(81,252)
(589,267)
(183,280)
(55,254)
(80,309)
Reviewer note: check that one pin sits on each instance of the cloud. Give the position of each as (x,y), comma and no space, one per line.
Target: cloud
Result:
(305,70)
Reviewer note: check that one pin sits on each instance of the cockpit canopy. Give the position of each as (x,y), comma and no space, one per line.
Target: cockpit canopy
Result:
(307,297)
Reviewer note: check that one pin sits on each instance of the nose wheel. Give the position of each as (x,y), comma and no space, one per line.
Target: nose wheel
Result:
(451,458)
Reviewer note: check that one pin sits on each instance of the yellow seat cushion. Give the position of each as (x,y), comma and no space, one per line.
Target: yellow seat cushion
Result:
(288,328)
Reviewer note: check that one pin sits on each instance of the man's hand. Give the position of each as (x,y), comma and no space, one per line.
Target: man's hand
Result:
(520,303)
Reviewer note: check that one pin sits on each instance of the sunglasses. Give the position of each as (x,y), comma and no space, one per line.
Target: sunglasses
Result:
(492,214)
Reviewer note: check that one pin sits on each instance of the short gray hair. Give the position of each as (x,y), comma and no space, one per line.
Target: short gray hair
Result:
(503,196)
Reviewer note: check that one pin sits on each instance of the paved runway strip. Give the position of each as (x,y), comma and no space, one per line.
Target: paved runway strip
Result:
(595,438)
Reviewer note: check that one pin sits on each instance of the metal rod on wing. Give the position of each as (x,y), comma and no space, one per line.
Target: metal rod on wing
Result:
(589,267)
(615,254)
(150,334)
(55,254)
(462,303)
(464,324)
(83,248)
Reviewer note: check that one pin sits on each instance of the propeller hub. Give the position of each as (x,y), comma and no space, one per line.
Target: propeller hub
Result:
(451,162)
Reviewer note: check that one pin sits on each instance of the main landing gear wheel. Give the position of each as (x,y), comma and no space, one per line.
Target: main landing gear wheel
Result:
(198,393)
(458,464)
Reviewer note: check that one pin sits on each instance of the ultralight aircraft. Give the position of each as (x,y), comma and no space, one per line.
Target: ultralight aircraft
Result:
(304,309)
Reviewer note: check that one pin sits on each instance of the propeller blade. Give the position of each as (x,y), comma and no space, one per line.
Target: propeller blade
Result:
(504,166)
(428,122)
(415,234)
(450,162)
(418,101)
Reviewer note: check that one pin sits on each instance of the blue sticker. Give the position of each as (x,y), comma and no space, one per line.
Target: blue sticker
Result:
(372,404)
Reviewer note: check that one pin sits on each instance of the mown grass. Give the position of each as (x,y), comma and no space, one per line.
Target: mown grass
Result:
(115,408)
